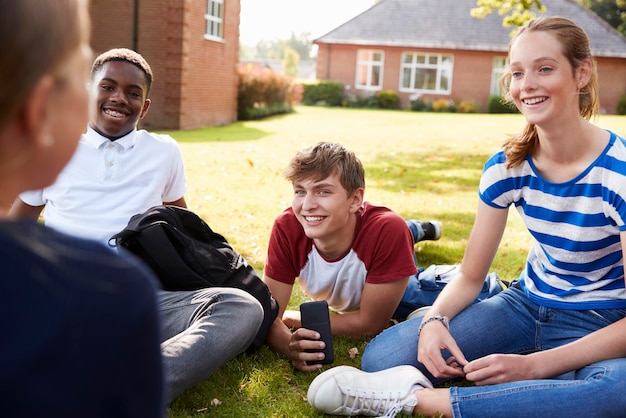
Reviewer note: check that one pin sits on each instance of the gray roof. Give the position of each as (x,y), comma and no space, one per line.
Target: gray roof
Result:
(447,24)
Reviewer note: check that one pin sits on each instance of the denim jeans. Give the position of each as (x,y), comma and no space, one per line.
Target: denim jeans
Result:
(201,330)
(510,323)
(593,391)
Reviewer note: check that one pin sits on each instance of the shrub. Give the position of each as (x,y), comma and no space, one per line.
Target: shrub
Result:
(467,106)
(388,99)
(621,105)
(419,105)
(441,105)
(261,93)
(496,104)
(369,102)
(328,93)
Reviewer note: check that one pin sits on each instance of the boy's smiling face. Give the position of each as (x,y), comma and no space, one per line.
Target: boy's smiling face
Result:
(120,94)
(326,210)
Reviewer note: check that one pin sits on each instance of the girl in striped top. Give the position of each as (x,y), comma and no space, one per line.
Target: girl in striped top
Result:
(553,343)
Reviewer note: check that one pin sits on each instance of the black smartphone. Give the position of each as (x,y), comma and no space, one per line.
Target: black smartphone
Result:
(315,315)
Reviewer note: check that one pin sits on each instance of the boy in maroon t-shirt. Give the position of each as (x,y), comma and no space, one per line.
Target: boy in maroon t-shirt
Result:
(356,256)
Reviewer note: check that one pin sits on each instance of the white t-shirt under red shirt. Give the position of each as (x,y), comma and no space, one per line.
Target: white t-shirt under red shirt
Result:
(380,253)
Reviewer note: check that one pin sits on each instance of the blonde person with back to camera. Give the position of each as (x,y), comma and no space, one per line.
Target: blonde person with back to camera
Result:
(118,171)
(553,343)
(80,331)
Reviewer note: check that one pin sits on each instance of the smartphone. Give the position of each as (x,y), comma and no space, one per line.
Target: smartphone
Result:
(315,315)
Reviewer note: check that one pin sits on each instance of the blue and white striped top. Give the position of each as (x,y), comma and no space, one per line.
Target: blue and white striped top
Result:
(575,261)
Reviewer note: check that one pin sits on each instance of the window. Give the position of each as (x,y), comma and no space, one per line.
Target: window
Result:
(499,67)
(426,73)
(214,20)
(369,69)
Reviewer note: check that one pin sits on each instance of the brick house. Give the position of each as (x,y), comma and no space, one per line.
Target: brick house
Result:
(192,47)
(434,49)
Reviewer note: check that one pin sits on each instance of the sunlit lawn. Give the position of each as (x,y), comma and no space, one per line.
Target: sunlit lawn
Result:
(422,165)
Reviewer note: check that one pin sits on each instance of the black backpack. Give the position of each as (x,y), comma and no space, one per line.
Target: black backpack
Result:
(186,254)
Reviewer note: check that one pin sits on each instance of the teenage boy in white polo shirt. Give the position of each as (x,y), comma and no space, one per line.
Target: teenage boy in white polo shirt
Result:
(119,171)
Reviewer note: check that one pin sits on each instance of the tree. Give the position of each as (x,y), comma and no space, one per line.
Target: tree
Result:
(518,12)
(612,12)
(515,12)
(290,62)
(275,49)
(301,44)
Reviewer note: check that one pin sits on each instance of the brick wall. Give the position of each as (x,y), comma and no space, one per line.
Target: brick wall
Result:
(471,78)
(612,82)
(209,76)
(195,79)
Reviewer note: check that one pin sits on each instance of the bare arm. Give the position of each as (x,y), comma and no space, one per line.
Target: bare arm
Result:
(282,340)
(180,203)
(22,210)
(378,303)
(603,344)
(462,290)
(606,343)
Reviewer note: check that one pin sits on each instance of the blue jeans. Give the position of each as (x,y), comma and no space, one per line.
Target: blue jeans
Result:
(593,391)
(201,330)
(510,323)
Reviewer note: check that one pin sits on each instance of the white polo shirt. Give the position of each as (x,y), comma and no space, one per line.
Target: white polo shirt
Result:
(106,182)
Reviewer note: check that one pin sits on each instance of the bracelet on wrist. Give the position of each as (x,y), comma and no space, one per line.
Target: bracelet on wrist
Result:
(440,318)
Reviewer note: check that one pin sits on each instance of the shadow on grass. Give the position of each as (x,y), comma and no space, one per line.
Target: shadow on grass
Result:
(442,174)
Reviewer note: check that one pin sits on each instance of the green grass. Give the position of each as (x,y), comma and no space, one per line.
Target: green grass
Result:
(422,165)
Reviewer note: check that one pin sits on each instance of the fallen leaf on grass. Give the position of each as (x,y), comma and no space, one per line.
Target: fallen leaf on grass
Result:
(353,352)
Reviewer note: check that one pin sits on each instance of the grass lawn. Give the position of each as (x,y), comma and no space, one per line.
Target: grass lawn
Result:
(422,165)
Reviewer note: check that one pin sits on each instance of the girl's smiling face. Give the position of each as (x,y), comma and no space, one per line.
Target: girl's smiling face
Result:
(544,87)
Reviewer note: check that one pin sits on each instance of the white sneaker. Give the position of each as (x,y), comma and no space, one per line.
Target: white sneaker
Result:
(418,312)
(345,390)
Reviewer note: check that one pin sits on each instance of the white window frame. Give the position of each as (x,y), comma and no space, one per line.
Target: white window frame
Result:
(500,65)
(214,20)
(366,62)
(443,67)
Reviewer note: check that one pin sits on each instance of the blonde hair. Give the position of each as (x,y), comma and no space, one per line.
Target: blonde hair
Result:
(35,38)
(575,47)
(324,159)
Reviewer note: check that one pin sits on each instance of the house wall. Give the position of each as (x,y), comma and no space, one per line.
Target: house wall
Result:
(108,30)
(612,82)
(195,79)
(471,78)
(209,76)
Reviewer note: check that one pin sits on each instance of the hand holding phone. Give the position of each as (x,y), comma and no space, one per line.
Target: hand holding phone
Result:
(315,316)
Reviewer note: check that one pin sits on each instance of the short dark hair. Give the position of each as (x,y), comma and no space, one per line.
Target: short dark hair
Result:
(127,55)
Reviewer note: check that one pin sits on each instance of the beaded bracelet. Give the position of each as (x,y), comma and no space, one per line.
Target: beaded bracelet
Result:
(440,318)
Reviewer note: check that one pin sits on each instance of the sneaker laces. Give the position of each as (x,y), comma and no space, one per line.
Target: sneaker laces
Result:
(388,403)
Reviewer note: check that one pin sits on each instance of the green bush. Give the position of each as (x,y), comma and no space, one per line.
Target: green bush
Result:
(254,113)
(262,93)
(420,105)
(358,102)
(388,99)
(496,104)
(621,105)
(327,93)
